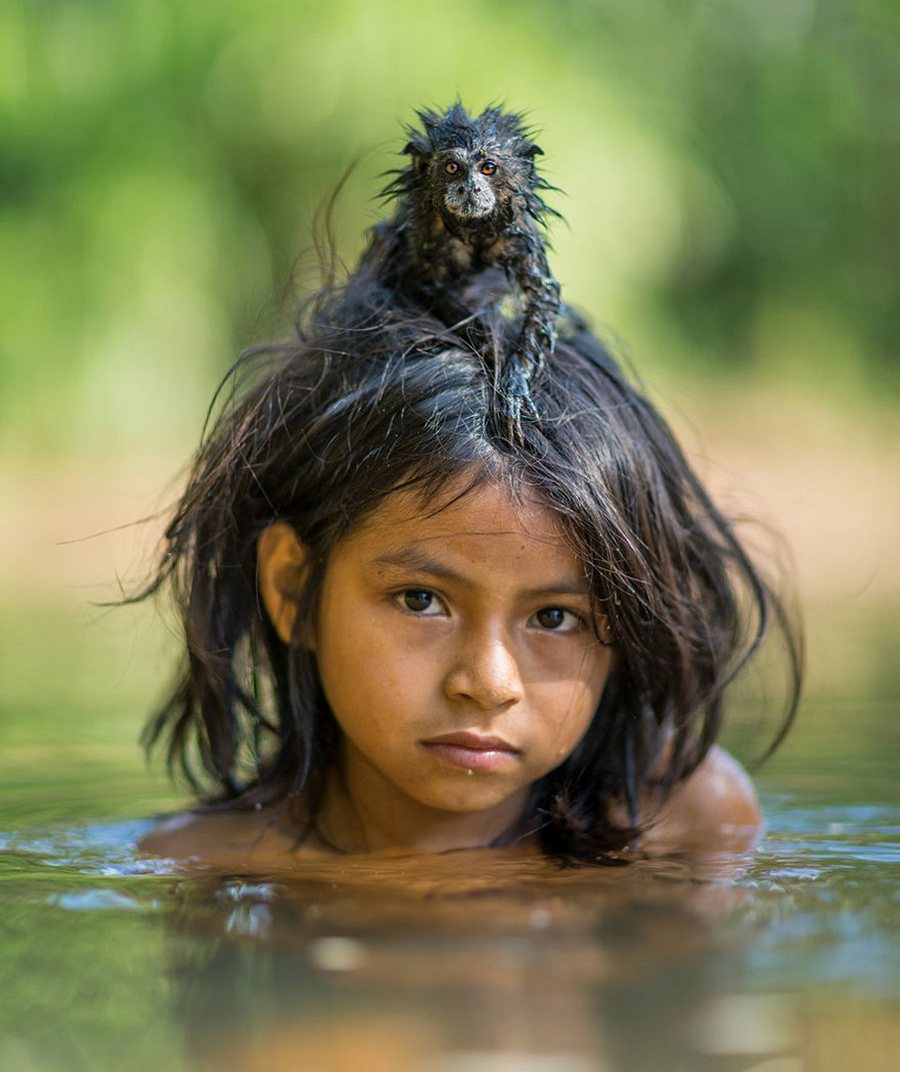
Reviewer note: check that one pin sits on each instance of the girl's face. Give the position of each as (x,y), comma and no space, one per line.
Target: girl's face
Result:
(456,652)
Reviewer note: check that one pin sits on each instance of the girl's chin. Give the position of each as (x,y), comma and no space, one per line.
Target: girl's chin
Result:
(491,802)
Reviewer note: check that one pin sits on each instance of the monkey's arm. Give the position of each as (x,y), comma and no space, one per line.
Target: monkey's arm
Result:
(526,261)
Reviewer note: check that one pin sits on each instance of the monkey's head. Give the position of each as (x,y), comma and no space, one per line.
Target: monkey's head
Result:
(471,170)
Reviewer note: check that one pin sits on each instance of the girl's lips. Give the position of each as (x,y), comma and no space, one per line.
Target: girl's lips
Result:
(471,751)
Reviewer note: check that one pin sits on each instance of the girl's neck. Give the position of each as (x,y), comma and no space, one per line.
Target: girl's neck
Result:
(357,816)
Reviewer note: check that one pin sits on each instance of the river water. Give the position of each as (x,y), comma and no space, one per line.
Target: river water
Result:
(784,960)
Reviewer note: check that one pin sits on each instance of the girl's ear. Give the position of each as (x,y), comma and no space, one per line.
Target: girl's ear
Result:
(281,569)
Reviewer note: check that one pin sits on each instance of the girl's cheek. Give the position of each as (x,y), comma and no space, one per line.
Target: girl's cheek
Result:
(571,658)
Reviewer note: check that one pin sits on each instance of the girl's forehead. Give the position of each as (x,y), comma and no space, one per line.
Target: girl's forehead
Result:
(461,509)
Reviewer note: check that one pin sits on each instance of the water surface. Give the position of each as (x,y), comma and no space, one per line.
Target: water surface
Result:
(783,960)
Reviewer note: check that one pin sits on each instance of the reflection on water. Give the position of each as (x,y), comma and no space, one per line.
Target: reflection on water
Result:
(783,961)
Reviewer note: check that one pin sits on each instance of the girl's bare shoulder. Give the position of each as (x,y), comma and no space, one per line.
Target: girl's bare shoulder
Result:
(254,839)
(715,809)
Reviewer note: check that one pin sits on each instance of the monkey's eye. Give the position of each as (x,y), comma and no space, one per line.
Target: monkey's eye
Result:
(451,167)
(488,167)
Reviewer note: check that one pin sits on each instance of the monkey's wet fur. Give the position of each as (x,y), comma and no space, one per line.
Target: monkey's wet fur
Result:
(469,222)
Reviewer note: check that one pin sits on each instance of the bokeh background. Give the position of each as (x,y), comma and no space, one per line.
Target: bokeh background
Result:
(729,172)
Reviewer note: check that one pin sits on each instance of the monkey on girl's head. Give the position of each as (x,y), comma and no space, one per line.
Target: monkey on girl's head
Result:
(468,202)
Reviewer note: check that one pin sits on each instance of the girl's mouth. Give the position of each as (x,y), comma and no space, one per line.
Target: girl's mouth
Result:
(472,751)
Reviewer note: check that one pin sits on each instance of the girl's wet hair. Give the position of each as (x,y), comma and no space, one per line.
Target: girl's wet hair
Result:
(366,400)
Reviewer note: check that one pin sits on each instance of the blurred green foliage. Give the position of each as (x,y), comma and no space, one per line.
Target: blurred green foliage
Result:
(730,171)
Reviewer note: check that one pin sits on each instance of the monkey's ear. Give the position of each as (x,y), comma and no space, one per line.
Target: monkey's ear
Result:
(531,150)
(281,572)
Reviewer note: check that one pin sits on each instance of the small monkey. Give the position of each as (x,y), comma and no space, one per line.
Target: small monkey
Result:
(469,201)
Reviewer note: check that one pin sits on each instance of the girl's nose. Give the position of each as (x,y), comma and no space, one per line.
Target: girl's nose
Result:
(486,673)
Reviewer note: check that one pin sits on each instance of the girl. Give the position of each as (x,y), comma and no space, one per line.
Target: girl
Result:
(409,629)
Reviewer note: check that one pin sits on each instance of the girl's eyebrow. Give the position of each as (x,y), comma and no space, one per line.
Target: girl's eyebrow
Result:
(413,558)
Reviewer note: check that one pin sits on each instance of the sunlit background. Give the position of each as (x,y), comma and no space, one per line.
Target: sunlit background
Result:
(728,175)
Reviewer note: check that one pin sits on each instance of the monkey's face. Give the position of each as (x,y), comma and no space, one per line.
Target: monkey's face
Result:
(468,184)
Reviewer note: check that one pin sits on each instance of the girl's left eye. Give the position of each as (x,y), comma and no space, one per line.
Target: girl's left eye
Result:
(419,601)
(557,619)
(488,167)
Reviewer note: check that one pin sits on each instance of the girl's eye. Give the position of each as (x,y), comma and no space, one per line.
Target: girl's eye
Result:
(488,167)
(557,619)
(451,168)
(419,601)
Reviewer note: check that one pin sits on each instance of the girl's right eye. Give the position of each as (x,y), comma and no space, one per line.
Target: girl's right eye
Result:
(419,601)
